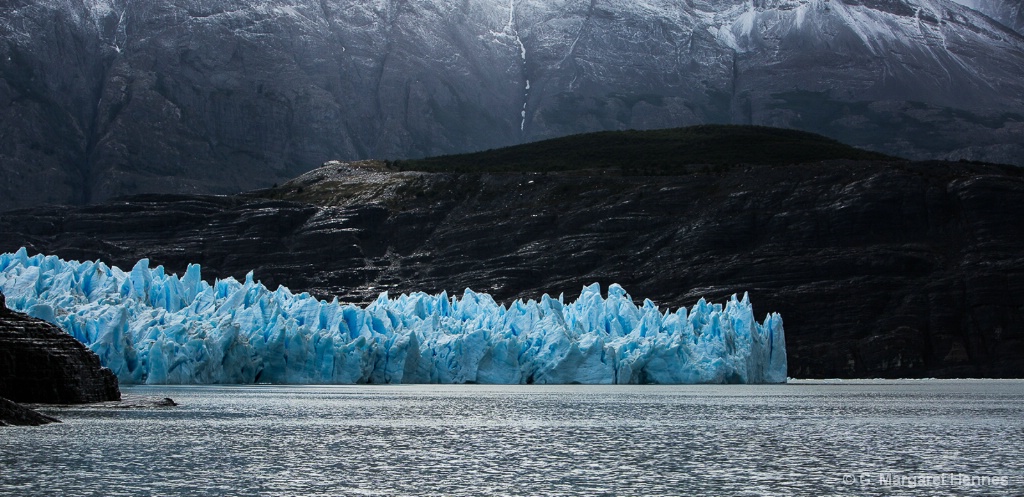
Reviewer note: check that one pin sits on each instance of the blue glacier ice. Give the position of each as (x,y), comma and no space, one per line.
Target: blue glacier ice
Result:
(151,327)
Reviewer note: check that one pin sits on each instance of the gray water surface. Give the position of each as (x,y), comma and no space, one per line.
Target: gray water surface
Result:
(804,438)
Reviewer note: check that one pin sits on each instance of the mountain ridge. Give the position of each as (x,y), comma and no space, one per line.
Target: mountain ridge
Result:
(662,151)
(1007,12)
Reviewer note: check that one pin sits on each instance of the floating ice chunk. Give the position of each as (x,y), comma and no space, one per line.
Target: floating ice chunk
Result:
(151,327)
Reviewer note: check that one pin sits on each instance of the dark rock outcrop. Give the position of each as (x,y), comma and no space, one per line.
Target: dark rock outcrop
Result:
(39,363)
(12,414)
(113,97)
(880,269)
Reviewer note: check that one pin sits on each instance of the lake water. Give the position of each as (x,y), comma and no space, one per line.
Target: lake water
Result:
(804,438)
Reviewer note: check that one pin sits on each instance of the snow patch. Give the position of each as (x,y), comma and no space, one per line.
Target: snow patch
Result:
(510,32)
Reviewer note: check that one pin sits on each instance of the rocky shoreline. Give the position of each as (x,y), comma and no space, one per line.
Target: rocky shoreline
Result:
(13,414)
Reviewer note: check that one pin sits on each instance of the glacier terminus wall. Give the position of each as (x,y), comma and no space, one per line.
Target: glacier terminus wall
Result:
(151,327)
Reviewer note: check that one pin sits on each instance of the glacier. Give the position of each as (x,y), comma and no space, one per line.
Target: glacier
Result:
(157,328)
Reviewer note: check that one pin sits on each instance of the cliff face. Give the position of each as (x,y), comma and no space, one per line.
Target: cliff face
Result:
(102,98)
(39,363)
(878,269)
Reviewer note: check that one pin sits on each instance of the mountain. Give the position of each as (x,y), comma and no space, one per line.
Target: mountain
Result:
(100,98)
(878,267)
(1008,12)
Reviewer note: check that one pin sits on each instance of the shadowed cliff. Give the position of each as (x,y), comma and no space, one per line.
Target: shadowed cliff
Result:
(879,267)
(40,363)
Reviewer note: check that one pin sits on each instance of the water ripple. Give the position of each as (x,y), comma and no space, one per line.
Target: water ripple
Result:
(809,438)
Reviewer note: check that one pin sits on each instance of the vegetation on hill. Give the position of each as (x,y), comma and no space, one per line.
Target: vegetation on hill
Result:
(656,152)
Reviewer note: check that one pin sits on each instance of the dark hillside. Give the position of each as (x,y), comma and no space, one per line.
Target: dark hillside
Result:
(661,152)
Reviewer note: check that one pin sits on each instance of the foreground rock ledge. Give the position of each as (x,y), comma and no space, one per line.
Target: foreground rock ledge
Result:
(39,363)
